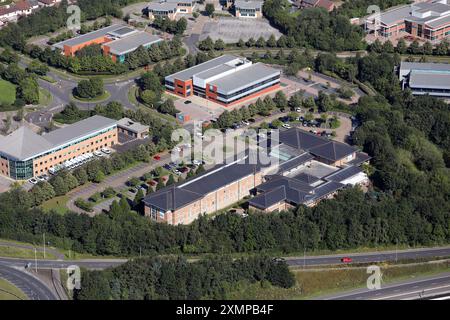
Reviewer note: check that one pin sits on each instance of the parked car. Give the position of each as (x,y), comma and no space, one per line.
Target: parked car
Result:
(286,125)
(98,154)
(187,102)
(245,123)
(177,172)
(157,157)
(106,151)
(184,169)
(167,167)
(33,181)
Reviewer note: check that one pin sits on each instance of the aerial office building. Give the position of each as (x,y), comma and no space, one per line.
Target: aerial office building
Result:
(225,80)
(25,154)
(116,41)
(309,169)
(429,20)
(426,78)
(169,8)
(248,8)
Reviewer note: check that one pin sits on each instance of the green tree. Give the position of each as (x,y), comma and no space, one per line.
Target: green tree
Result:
(209,9)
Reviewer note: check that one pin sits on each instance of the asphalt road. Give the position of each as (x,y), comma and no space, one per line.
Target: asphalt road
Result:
(33,288)
(423,288)
(371,257)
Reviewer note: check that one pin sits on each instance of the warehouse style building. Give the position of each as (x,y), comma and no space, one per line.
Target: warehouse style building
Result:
(226,80)
(116,41)
(25,154)
(169,8)
(303,174)
(429,20)
(426,78)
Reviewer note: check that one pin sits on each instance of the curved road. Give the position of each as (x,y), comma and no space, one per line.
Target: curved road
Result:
(32,287)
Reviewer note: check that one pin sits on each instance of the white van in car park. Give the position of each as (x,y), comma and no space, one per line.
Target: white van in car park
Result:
(98,153)
(106,151)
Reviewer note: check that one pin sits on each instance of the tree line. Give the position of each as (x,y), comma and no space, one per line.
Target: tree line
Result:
(174,278)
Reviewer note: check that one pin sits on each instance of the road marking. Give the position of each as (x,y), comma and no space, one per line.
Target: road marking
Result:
(412,292)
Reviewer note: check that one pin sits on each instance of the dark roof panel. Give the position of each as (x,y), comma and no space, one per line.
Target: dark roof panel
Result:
(300,139)
(295,162)
(332,150)
(343,174)
(267,199)
(171,198)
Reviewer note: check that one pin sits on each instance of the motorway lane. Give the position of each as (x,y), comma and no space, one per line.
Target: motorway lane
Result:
(423,288)
(61,264)
(371,257)
(33,288)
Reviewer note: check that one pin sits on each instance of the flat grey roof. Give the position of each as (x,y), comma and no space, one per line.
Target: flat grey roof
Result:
(78,130)
(435,7)
(246,4)
(392,16)
(132,125)
(420,79)
(430,66)
(190,72)
(214,71)
(439,22)
(162,6)
(245,77)
(87,37)
(132,42)
(123,31)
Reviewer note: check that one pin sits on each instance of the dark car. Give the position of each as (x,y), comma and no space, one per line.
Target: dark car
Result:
(187,102)
(167,167)
(184,169)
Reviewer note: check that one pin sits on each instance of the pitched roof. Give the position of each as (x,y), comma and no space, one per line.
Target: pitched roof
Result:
(343,174)
(268,199)
(79,129)
(300,139)
(333,150)
(23,143)
(295,162)
(171,198)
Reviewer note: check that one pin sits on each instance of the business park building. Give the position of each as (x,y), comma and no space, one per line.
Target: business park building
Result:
(308,169)
(25,154)
(116,41)
(226,80)
(425,78)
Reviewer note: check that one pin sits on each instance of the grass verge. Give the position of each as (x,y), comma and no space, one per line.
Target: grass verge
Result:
(7,92)
(8,291)
(14,252)
(57,204)
(315,283)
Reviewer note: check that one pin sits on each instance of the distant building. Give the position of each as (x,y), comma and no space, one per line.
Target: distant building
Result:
(225,80)
(248,8)
(309,169)
(132,128)
(429,20)
(48,3)
(325,4)
(117,41)
(169,8)
(11,13)
(426,78)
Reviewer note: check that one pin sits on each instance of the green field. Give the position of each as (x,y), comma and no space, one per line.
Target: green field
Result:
(14,252)
(7,92)
(57,204)
(313,283)
(10,292)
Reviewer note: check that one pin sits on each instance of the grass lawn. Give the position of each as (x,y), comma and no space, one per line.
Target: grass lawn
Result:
(45,98)
(58,204)
(7,92)
(8,291)
(13,252)
(100,98)
(312,283)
